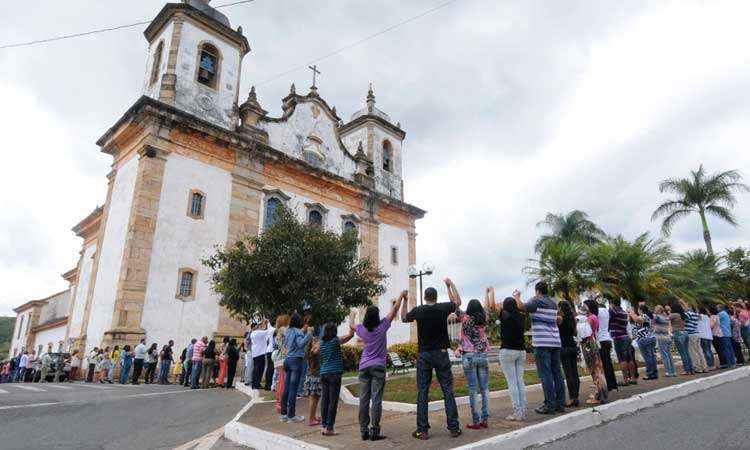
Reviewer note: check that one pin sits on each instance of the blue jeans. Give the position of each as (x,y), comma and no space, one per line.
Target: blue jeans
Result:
(708,352)
(513,363)
(441,363)
(665,345)
(293,372)
(195,374)
(164,371)
(550,372)
(301,389)
(681,342)
(728,350)
(648,351)
(248,369)
(477,372)
(125,371)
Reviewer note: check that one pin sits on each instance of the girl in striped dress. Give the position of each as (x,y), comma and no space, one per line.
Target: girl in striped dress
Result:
(331,368)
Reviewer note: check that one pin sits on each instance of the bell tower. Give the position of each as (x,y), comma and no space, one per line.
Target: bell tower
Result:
(195,61)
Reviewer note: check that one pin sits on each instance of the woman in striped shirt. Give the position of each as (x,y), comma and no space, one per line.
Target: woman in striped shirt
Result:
(331,368)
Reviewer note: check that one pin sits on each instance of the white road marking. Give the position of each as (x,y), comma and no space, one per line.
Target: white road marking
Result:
(95,386)
(57,386)
(79,402)
(3,392)
(30,388)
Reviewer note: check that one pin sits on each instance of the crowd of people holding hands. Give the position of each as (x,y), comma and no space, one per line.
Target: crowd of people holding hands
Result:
(295,359)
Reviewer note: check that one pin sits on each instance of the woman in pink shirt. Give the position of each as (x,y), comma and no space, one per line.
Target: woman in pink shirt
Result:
(473,352)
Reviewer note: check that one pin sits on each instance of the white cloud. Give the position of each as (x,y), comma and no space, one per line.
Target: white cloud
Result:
(512,109)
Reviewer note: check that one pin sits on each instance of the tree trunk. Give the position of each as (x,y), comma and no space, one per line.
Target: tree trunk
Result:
(706,233)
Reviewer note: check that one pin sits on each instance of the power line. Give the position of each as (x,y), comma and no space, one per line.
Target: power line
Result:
(100,30)
(358,42)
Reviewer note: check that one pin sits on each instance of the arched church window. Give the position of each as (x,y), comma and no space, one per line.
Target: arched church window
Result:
(350,226)
(387,156)
(186,284)
(208,65)
(157,63)
(315,218)
(272,205)
(197,204)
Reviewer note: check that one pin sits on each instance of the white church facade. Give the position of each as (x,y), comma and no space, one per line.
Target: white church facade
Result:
(194,167)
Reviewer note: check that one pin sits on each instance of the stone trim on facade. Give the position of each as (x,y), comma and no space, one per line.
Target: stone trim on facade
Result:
(136,258)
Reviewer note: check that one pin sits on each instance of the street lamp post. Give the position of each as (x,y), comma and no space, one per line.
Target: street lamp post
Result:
(427,269)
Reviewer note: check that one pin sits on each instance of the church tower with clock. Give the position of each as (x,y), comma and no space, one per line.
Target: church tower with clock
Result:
(194,166)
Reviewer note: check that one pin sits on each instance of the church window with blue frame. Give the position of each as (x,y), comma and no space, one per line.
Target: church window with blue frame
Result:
(272,206)
(208,65)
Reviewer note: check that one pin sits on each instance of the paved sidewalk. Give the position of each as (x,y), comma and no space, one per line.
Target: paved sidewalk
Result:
(399,426)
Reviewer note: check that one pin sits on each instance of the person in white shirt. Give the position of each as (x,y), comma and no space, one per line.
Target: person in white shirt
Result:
(269,359)
(605,346)
(23,362)
(259,338)
(707,337)
(248,357)
(140,355)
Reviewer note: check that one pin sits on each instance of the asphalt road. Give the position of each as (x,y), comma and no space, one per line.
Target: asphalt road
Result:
(86,416)
(718,418)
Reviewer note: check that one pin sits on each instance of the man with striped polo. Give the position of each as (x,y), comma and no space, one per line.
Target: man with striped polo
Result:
(545,338)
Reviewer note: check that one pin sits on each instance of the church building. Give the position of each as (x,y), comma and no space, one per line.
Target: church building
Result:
(195,164)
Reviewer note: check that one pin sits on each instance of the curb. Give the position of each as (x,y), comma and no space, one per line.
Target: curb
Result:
(256,438)
(568,424)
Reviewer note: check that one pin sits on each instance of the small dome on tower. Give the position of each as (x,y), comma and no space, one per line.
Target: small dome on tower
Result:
(204,7)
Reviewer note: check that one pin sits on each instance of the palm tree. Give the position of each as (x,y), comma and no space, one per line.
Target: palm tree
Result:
(694,277)
(572,227)
(561,265)
(631,270)
(705,194)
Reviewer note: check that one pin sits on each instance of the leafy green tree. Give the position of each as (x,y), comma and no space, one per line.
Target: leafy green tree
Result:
(574,226)
(562,265)
(712,194)
(293,266)
(735,276)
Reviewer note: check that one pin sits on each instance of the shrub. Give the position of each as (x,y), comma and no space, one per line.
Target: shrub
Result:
(407,352)
(350,355)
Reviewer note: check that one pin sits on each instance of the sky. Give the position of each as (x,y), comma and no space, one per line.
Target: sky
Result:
(512,109)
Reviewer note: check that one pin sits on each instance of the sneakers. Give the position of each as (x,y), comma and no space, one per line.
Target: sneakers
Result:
(421,435)
(483,424)
(544,410)
(284,419)
(455,433)
(474,426)
(377,437)
(297,419)
(365,435)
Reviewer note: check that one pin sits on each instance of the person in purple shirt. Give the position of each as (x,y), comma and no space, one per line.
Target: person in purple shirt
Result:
(372,332)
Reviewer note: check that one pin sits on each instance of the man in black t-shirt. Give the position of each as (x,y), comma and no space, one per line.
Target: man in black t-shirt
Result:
(433,341)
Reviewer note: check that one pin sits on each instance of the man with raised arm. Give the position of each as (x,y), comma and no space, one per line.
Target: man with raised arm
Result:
(433,342)
(545,338)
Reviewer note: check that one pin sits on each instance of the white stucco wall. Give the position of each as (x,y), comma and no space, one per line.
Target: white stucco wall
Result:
(110,261)
(388,183)
(310,119)
(19,339)
(152,90)
(214,105)
(398,277)
(181,241)
(79,300)
(53,335)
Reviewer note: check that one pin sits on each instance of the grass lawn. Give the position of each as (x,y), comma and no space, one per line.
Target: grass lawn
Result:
(403,389)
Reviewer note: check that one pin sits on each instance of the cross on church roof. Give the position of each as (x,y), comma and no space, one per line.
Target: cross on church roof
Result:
(315,71)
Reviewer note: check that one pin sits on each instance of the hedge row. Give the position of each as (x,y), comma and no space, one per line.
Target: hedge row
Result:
(351,354)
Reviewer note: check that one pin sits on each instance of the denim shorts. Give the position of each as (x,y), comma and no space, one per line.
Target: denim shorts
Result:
(624,350)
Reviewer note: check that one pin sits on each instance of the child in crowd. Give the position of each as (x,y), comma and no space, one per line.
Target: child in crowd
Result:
(331,369)
(312,381)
